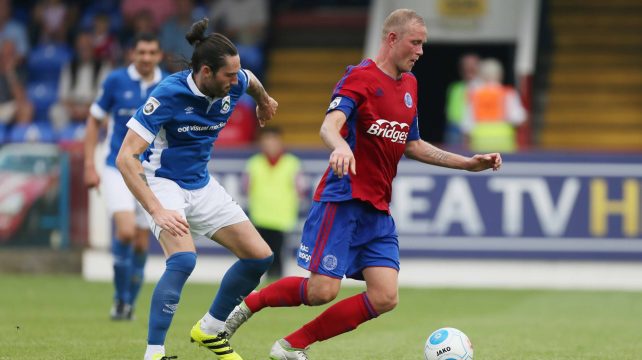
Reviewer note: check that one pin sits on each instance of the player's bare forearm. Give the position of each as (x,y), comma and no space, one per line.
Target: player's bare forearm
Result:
(91,139)
(265,105)
(130,167)
(342,159)
(422,151)
(256,90)
(426,153)
(331,130)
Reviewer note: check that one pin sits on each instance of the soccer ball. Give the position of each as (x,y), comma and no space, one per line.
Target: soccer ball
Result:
(448,344)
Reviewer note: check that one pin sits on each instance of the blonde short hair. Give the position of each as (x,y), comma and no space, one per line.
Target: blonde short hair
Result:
(398,20)
(491,70)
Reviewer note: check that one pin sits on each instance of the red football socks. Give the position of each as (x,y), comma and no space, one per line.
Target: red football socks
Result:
(289,291)
(341,317)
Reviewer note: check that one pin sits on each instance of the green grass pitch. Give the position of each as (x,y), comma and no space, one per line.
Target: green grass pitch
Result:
(64,317)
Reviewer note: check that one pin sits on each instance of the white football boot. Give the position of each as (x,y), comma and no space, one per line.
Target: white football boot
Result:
(281,350)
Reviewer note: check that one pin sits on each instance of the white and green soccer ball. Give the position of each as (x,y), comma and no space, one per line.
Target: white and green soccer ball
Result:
(448,344)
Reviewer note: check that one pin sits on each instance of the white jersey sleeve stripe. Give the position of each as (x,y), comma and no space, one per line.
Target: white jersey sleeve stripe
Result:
(97,112)
(247,77)
(139,129)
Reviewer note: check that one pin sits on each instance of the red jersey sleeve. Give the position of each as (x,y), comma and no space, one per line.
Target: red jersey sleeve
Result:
(352,85)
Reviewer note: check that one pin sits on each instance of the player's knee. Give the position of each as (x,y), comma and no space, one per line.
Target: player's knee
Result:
(182,261)
(383,302)
(321,294)
(126,234)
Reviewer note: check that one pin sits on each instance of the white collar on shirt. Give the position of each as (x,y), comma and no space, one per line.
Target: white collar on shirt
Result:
(195,90)
(193,87)
(135,75)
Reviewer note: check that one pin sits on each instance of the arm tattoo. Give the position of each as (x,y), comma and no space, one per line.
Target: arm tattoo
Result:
(136,156)
(142,176)
(440,156)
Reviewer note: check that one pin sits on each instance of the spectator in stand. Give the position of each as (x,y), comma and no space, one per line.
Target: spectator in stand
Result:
(160,10)
(457,98)
(13,98)
(16,110)
(142,23)
(245,22)
(274,190)
(104,44)
(493,112)
(177,49)
(13,30)
(52,21)
(79,84)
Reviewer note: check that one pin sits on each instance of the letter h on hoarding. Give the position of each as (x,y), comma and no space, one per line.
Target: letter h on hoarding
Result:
(628,207)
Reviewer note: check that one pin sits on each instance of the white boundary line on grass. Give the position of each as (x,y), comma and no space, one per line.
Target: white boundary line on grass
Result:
(576,275)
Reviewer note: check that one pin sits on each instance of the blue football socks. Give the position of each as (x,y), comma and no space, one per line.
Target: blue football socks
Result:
(167,293)
(237,283)
(122,269)
(137,273)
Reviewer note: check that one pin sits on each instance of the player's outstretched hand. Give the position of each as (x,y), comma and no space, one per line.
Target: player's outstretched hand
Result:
(92,179)
(265,111)
(342,160)
(485,161)
(171,221)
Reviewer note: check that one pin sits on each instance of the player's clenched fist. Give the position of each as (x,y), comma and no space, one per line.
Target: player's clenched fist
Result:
(266,111)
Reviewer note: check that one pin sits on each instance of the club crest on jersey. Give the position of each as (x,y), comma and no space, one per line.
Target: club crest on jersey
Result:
(335,103)
(226,105)
(151,105)
(407,99)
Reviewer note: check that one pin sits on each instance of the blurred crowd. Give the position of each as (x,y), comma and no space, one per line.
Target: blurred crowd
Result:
(54,55)
(482,112)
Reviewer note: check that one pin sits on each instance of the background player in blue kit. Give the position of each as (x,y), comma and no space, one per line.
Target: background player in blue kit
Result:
(176,129)
(370,124)
(122,93)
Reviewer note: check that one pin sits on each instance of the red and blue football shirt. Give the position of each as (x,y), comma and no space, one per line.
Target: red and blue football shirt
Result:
(381,117)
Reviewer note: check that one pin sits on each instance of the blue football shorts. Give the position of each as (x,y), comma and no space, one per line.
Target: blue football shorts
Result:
(343,238)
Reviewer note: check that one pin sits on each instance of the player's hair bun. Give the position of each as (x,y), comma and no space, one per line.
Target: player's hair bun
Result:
(197,33)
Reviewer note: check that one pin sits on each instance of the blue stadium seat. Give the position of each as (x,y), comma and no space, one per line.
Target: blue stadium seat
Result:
(3,133)
(45,62)
(42,95)
(252,58)
(75,131)
(35,132)
(115,18)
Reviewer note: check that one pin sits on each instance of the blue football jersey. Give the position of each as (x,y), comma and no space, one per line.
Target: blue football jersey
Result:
(121,94)
(181,124)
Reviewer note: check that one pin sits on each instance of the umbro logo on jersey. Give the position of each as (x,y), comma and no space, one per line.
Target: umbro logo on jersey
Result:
(392,130)
(189,110)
